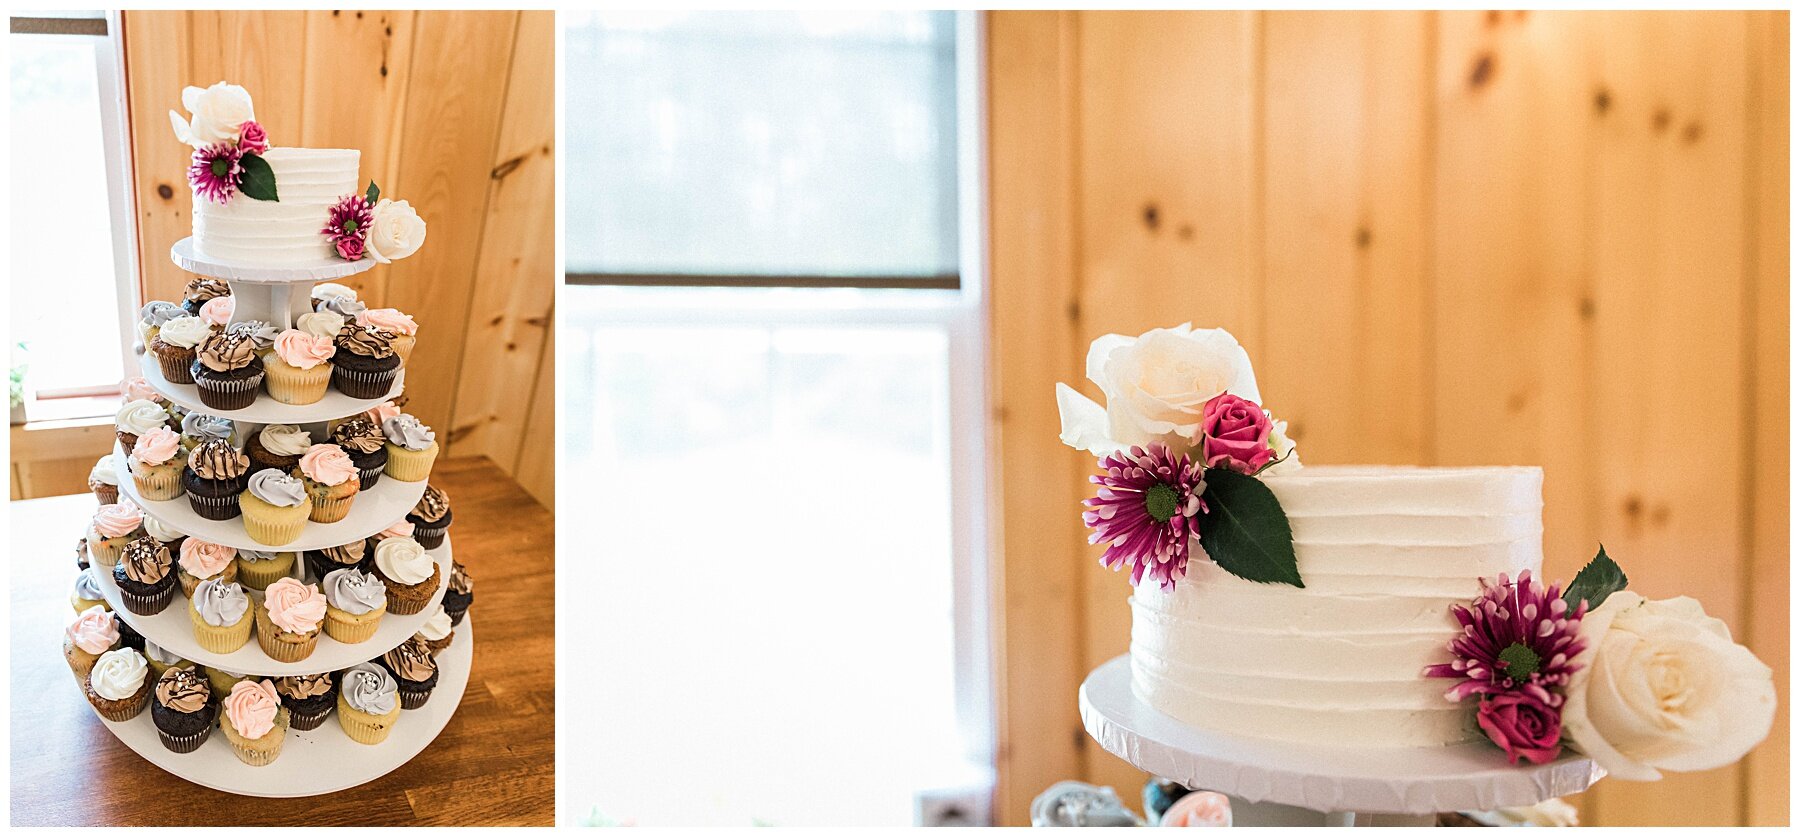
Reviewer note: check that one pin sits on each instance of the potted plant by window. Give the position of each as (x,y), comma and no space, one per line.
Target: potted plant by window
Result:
(17,389)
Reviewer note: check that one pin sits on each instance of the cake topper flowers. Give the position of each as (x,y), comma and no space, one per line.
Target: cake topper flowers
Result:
(1182,440)
(228,144)
(374,226)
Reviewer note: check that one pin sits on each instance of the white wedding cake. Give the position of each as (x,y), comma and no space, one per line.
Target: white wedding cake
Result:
(283,233)
(1385,552)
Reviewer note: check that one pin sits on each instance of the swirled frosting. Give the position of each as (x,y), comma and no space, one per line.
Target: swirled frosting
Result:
(437,625)
(262,335)
(104,471)
(357,433)
(156,312)
(227,350)
(94,630)
(344,306)
(327,290)
(460,580)
(284,439)
(133,389)
(183,690)
(156,447)
(403,529)
(277,489)
(185,332)
(303,686)
(321,324)
(369,688)
(411,661)
(257,555)
(203,559)
(382,412)
(252,707)
(432,506)
(216,459)
(87,588)
(389,320)
(202,426)
(365,341)
(327,464)
(146,560)
(408,432)
(140,416)
(403,560)
(354,592)
(119,674)
(303,350)
(294,607)
(205,288)
(116,520)
(220,603)
(162,531)
(218,310)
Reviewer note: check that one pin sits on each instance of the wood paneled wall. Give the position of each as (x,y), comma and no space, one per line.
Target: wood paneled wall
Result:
(1541,238)
(454,112)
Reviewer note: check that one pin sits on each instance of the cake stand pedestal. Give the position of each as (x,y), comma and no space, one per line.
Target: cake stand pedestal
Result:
(1283,783)
(275,295)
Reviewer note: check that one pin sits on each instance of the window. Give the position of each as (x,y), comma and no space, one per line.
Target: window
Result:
(772,380)
(69,175)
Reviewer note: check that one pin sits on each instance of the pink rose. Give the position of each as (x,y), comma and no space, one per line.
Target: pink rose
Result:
(252,139)
(303,349)
(294,607)
(218,310)
(1199,809)
(383,411)
(116,520)
(1234,434)
(350,249)
(403,529)
(157,446)
(251,707)
(205,560)
(388,319)
(94,631)
(327,464)
(1523,725)
(138,389)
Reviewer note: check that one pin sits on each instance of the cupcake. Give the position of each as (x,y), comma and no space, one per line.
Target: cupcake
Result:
(410,575)
(354,604)
(161,659)
(324,292)
(113,526)
(411,448)
(217,312)
(276,507)
(430,518)
(354,555)
(402,529)
(227,371)
(87,593)
(414,670)
(288,619)
(119,684)
(196,428)
(262,335)
(308,698)
(220,613)
(103,480)
(165,534)
(365,363)
(362,440)
(135,418)
(222,681)
(461,593)
(151,318)
(81,553)
(390,320)
(95,631)
(343,306)
(255,722)
(129,637)
(216,474)
(201,290)
(331,482)
(145,576)
(257,570)
(276,447)
(324,324)
(182,708)
(299,370)
(176,346)
(437,631)
(156,463)
(202,560)
(138,389)
(368,703)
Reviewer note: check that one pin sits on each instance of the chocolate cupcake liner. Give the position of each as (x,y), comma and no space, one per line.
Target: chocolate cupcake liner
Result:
(360,384)
(367,477)
(127,441)
(175,366)
(214,508)
(229,393)
(158,485)
(148,605)
(430,538)
(414,700)
(308,720)
(456,616)
(185,743)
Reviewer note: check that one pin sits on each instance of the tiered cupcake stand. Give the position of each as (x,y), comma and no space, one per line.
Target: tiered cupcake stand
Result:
(313,761)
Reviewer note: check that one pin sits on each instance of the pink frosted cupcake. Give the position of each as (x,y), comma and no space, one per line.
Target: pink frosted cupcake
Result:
(289,619)
(95,631)
(203,561)
(255,722)
(299,371)
(390,320)
(114,525)
(331,481)
(156,462)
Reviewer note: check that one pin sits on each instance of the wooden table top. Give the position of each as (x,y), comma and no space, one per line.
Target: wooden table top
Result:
(493,765)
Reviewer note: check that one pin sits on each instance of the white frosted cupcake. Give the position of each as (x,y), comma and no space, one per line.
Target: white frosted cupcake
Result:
(103,480)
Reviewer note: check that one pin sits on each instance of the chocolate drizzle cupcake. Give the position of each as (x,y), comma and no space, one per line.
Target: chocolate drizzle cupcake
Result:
(145,575)
(365,363)
(216,473)
(183,709)
(351,556)
(460,594)
(430,518)
(308,698)
(360,438)
(201,290)
(414,671)
(227,370)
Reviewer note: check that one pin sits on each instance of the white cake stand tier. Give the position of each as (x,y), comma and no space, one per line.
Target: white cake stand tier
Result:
(173,631)
(316,761)
(271,294)
(1349,785)
(265,409)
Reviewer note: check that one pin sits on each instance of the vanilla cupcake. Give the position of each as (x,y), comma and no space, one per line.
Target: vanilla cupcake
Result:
(354,604)
(175,347)
(220,614)
(258,569)
(87,593)
(411,447)
(161,659)
(299,370)
(331,481)
(390,320)
(437,632)
(95,631)
(288,620)
(156,462)
(202,560)
(119,684)
(410,574)
(136,418)
(113,526)
(368,703)
(103,480)
(255,722)
(276,507)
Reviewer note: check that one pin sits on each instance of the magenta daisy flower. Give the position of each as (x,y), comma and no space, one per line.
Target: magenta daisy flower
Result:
(348,228)
(1517,636)
(215,173)
(1144,511)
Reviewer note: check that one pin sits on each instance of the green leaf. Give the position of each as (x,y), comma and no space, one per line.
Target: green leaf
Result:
(1245,531)
(374,193)
(259,179)
(1602,577)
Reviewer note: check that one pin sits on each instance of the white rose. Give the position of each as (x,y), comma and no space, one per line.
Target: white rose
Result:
(324,324)
(1662,687)
(186,332)
(1156,387)
(1287,460)
(1551,813)
(327,290)
(219,114)
(395,231)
